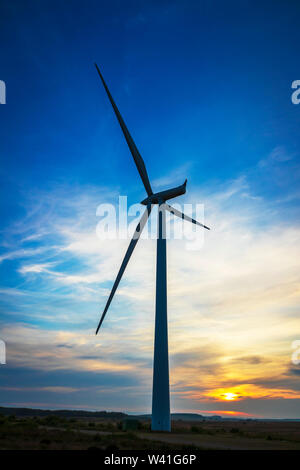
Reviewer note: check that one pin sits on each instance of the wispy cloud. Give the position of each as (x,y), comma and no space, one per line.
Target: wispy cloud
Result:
(233,302)
(278,155)
(21,253)
(174,177)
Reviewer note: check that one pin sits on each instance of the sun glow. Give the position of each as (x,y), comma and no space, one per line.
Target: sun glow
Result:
(229,396)
(245,391)
(222,394)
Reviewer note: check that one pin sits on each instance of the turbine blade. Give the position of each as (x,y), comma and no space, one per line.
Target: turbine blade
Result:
(127,256)
(183,216)
(132,147)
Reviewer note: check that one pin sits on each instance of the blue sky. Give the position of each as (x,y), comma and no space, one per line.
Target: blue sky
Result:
(205,89)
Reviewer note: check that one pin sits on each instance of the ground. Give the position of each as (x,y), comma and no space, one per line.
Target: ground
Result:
(57,433)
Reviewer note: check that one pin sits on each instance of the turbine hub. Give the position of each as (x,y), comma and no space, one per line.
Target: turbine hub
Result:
(165,195)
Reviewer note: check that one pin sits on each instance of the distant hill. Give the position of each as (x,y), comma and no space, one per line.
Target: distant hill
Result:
(63,413)
(194,417)
(187,417)
(118,415)
(98,414)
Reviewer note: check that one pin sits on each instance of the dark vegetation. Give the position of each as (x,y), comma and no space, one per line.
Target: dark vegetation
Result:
(59,433)
(62,413)
(28,429)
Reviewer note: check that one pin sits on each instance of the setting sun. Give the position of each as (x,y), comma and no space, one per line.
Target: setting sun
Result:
(229,396)
(222,394)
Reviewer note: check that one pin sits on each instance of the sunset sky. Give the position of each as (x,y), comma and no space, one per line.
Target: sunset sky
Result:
(205,89)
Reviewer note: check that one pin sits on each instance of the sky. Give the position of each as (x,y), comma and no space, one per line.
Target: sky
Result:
(205,89)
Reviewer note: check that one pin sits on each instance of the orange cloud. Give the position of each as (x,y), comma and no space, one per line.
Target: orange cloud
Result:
(242,392)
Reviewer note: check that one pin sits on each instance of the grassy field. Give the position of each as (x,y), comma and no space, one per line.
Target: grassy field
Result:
(55,433)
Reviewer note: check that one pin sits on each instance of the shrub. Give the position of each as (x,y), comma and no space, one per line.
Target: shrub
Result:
(111,448)
(45,441)
(234,430)
(52,420)
(197,429)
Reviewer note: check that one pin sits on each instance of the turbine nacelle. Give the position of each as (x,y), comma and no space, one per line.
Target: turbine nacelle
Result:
(163,196)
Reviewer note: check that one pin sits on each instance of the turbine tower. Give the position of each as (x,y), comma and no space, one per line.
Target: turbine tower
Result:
(161,390)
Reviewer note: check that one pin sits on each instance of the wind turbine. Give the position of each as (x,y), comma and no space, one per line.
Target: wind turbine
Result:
(161,389)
